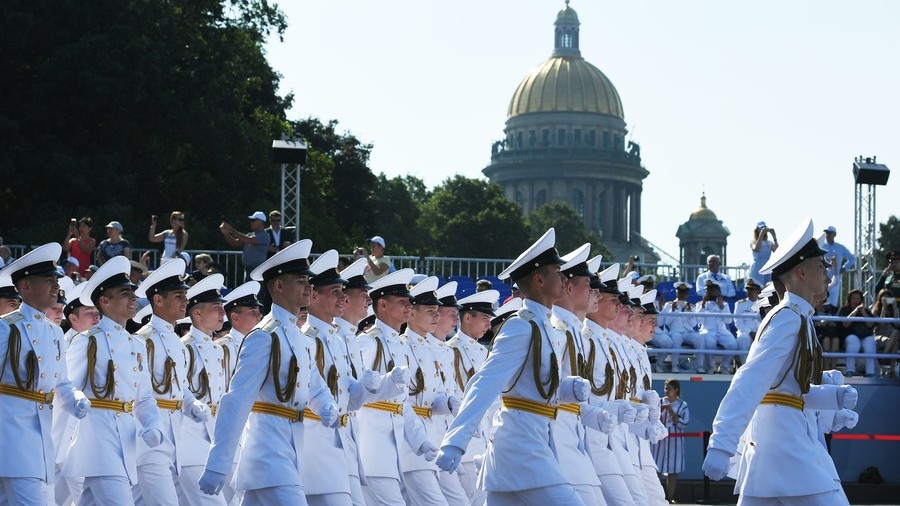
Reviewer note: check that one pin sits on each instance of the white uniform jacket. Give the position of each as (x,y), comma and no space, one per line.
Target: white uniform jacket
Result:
(382,434)
(105,440)
(677,324)
(570,435)
(621,441)
(468,357)
(782,456)
(26,444)
(272,446)
(231,347)
(159,336)
(602,390)
(745,325)
(522,453)
(207,383)
(63,422)
(420,354)
(713,323)
(330,447)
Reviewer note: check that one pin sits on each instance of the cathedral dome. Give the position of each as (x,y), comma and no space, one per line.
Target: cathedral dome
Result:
(566,83)
(703,213)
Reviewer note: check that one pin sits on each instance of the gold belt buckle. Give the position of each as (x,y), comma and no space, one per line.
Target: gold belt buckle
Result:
(128,406)
(48,397)
(345,419)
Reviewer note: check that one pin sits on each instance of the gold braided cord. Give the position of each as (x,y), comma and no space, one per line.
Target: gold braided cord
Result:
(418,383)
(647,384)
(379,355)
(606,387)
(570,351)
(287,393)
(632,380)
(622,385)
(31,364)
(332,380)
(165,385)
(226,366)
(202,389)
(536,343)
(320,357)
(461,370)
(107,391)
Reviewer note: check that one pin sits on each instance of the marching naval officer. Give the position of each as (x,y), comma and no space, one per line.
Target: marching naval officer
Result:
(783,462)
(167,363)
(521,463)
(206,382)
(274,381)
(335,478)
(243,311)
(34,372)
(112,366)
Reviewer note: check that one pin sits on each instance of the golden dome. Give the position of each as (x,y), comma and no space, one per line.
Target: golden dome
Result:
(703,213)
(566,83)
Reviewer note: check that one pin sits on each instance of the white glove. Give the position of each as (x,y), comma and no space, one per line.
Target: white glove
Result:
(371,380)
(847,397)
(440,405)
(658,432)
(82,405)
(211,482)
(716,464)
(581,388)
(654,414)
(152,437)
(844,418)
(478,460)
(448,458)
(328,414)
(428,451)
(200,412)
(606,421)
(643,412)
(832,377)
(650,398)
(627,413)
(454,403)
(400,375)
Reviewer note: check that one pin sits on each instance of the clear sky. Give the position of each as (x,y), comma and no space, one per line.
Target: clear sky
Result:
(763,105)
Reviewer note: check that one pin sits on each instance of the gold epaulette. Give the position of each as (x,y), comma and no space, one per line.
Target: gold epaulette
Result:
(558,324)
(13,318)
(525,315)
(145,332)
(373,332)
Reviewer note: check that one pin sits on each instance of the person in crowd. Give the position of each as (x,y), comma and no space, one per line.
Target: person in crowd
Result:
(279,237)
(681,329)
(890,277)
(379,265)
(714,329)
(845,261)
(831,335)
(79,243)
(516,293)
(174,239)
(762,247)
(859,334)
(483,285)
(669,453)
(138,272)
(10,299)
(713,263)
(114,244)
(70,269)
(255,242)
(6,257)
(746,318)
(887,335)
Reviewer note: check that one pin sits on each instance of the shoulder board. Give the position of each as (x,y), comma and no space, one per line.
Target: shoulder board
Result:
(187,339)
(145,332)
(270,325)
(373,332)
(557,323)
(312,332)
(586,332)
(13,318)
(94,331)
(525,315)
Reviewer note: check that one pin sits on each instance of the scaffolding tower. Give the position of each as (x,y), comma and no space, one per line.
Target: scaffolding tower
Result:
(292,156)
(867,174)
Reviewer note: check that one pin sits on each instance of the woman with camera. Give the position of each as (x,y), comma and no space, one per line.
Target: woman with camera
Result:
(859,333)
(174,239)
(887,335)
(762,249)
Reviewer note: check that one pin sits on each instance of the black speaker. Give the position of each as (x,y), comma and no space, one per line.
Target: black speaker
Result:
(869,172)
(289,152)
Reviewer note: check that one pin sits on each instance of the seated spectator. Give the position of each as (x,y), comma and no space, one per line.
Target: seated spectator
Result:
(713,328)
(745,325)
(830,334)
(887,335)
(890,277)
(859,334)
(114,244)
(713,262)
(681,329)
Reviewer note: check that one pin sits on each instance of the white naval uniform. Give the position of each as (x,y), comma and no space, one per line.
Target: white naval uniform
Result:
(356,471)
(28,455)
(714,331)
(606,463)
(783,458)
(231,347)
(63,433)
(104,451)
(269,469)
(383,434)
(207,383)
(451,483)
(681,328)
(648,470)
(745,325)
(720,279)
(158,467)
(326,478)
(468,357)
(521,463)
(570,434)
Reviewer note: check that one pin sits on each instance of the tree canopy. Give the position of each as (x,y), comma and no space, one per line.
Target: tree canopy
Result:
(888,238)
(570,230)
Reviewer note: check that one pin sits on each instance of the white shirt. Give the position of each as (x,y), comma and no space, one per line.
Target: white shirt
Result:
(722,279)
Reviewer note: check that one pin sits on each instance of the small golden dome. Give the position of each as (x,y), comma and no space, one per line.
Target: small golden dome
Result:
(566,83)
(703,213)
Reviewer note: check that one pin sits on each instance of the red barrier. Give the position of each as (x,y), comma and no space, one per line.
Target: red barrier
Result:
(685,434)
(858,437)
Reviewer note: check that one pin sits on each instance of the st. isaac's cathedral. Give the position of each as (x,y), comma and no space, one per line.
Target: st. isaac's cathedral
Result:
(565,141)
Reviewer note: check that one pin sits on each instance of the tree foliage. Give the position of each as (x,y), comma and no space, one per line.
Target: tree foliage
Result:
(888,238)
(570,230)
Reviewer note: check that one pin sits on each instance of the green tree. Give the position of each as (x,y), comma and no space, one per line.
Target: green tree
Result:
(471,218)
(570,230)
(395,216)
(888,239)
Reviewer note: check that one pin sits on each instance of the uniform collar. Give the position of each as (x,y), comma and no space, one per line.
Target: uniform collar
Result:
(540,311)
(595,327)
(386,329)
(30,313)
(465,338)
(567,317)
(198,335)
(283,315)
(160,324)
(318,323)
(410,334)
(804,307)
(107,323)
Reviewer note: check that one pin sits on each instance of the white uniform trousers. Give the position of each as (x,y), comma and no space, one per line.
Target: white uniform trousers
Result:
(383,492)
(66,490)
(652,486)
(698,341)
(106,490)
(590,495)
(833,498)
(288,494)
(743,344)
(615,490)
(853,344)
(158,484)
(636,487)
(232,497)
(557,495)
(336,499)
(670,340)
(452,488)
(24,491)
(190,489)
(356,492)
(468,475)
(422,488)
